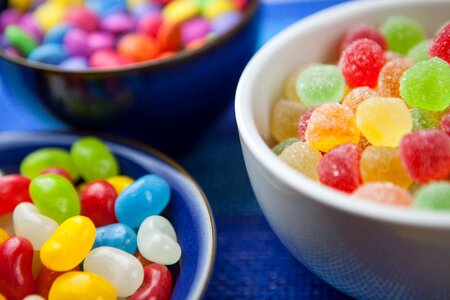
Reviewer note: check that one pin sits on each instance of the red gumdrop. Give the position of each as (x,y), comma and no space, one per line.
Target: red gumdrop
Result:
(444,125)
(57,171)
(157,283)
(425,154)
(16,276)
(440,46)
(13,190)
(361,62)
(45,279)
(150,24)
(339,168)
(97,203)
(363,31)
(303,122)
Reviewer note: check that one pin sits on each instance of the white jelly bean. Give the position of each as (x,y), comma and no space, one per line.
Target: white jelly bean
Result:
(157,223)
(34,297)
(29,223)
(121,269)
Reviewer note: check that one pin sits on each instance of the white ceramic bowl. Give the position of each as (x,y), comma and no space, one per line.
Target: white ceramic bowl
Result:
(366,250)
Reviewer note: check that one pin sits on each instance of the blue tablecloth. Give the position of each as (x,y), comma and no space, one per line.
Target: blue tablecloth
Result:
(251,262)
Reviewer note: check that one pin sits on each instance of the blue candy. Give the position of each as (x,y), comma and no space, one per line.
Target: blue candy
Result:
(107,7)
(56,34)
(119,236)
(52,54)
(145,197)
(75,63)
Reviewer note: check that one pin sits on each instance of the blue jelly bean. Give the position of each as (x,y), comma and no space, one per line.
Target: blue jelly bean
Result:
(75,63)
(56,34)
(52,54)
(119,236)
(147,196)
(107,7)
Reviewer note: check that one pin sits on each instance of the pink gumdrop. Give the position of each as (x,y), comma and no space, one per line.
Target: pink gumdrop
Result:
(440,46)
(150,24)
(425,154)
(384,192)
(106,58)
(9,16)
(194,29)
(75,43)
(339,168)
(361,31)
(444,125)
(100,40)
(83,18)
(303,122)
(118,23)
(28,24)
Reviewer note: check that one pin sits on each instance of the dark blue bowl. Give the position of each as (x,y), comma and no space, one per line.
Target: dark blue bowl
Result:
(188,209)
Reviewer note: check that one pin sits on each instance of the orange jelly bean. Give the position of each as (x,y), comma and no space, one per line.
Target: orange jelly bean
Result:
(137,47)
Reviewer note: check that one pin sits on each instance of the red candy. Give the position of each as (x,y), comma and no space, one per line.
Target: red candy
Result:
(303,122)
(169,37)
(45,279)
(16,276)
(106,58)
(57,171)
(150,24)
(83,18)
(361,62)
(440,46)
(13,190)
(339,168)
(363,31)
(97,203)
(445,124)
(425,155)
(157,283)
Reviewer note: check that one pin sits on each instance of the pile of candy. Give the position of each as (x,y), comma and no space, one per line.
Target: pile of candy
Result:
(81,34)
(61,241)
(376,124)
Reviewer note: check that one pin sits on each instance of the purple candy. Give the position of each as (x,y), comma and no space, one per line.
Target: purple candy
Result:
(75,43)
(9,16)
(224,22)
(4,43)
(100,40)
(28,24)
(12,52)
(118,23)
(75,63)
(194,29)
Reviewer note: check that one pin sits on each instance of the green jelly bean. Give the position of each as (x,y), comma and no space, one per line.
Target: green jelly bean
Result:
(278,148)
(55,197)
(435,196)
(20,40)
(42,159)
(402,33)
(419,52)
(93,159)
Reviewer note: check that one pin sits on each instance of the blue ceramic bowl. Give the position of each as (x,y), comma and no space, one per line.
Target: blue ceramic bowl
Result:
(188,209)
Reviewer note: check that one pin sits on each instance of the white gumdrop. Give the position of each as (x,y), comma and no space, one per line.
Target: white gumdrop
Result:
(29,223)
(157,223)
(121,269)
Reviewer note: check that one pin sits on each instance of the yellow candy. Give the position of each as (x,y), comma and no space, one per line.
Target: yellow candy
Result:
(213,8)
(3,235)
(81,285)
(2,297)
(69,244)
(290,89)
(22,5)
(179,11)
(120,182)
(67,3)
(284,119)
(383,121)
(49,14)
(131,4)
(301,157)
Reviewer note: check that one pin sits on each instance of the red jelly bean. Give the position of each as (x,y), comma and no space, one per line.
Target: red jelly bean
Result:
(425,155)
(150,24)
(169,37)
(444,125)
(339,168)
(57,171)
(45,279)
(363,31)
(13,190)
(16,276)
(97,203)
(303,122)
(440,46)
(157,283)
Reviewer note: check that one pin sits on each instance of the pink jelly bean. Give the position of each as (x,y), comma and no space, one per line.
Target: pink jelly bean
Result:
(83,18)
(150,24)
(118,23)
(28,24)
(194,29)
(9,16)
(100,40)
(75,43)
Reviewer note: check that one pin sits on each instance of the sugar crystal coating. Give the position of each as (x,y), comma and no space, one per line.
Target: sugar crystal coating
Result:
(357,96)
(278,148)
(440,47)
(361,31)
(433,196)
(424,119)
(284,119)
(444,125)
(402,33)
(419,52)
(303,122)
(384,192)
(302,158)
(390,75)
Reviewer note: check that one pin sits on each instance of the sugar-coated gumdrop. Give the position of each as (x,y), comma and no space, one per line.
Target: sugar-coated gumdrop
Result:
(419,52)
(330,125)
(361,31)
(284,118)
(45,279)
(278,148)
(97,202)
(435,196)
(383,164)
(383,121)
(424,119)
(444,125)
(402,33)
(302,158)
(13,190)
(303,122)
(385,193)
(440,46)
(157,283)
(427,85)
(390,55)
(319,84)
(361,62)
(290,88)
(339,168)
(426,155)
(357,95)
(390,75)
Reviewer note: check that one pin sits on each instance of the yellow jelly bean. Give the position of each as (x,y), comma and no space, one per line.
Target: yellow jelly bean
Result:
(67,3)
(69,244)
(3,235)
(120,182)
(179,11)
(214,8)
(81,285)
(2,297)
(49,14)
(22,5)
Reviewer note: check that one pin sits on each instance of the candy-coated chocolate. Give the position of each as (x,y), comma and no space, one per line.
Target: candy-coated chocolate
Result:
(52,54)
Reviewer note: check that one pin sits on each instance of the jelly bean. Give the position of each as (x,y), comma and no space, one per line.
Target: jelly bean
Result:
(120,182)
(36,265)
(147,196)
(142,259)
(402,33)
(56,34)
(384,192)
(97,202)
(100,40)
(121,269)
(75,43)
(57,171)
(224,22)
(104,8)
(45,279)
(118,23)
(157,283)
(194,29)
(82,285)
(284,119)
(142,10)
(105,59)
(52,54)
(179,11)
(55,197)
(3,235)
(214,8)
(20,39)
(434,196)
(419,52)
(137,47)
(302,158)
(13,190)
(22,5)
(6,223)
(29,223)
(33,297)
(150,24)
(16,277)
(9,16)
(119,236)
(49,14)
(157,241)
(440,47)
(82,17)
(168,37)
(277,149)
(69,244)
(363,31)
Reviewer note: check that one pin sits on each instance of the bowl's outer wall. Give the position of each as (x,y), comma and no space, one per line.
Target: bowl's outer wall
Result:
(363,257)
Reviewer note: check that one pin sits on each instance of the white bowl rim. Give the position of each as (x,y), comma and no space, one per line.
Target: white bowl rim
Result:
(294,180)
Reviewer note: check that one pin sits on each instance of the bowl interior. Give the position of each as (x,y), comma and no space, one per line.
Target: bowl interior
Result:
(188,209)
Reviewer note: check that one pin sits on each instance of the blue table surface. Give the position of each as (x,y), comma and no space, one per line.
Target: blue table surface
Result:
(250,262)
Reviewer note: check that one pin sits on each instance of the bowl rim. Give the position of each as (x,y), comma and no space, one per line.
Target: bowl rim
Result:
(155,64)
(295,181)
(206,274)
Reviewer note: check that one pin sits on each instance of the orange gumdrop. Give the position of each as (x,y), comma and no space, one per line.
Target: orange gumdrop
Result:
(390,75)
(168,37)
(45,279)
(384,192)
(358,95)
(137,47)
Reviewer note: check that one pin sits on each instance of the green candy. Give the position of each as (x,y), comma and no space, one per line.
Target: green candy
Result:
(427,85)
(283,144)
(319,84)
(20,40)
(402,33)
(54,197)
(423,119)
(419,52)
(435,196)
(42,159)
(93,159)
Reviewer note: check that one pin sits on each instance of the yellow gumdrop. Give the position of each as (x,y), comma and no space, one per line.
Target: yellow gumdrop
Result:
(81,285)
(284,119)
(49,14)
(179,11)
(21,5)
(383,121)
(120,183)
(213,8)
(69,244)
(301,157)
(289,88)
(3,235)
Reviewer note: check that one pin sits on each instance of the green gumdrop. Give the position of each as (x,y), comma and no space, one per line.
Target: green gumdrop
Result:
(427,85)
(277,149)
(434,196)
(37,161)
(419,52)
(93,159)
(320,84)
(423,119)
(402,33)
(20,40)
(55,197)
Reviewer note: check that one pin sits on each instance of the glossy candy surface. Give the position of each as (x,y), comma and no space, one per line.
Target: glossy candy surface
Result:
(13,190)
(120,182)
(119,236)
(97,203)
(157,283)
(45,279)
